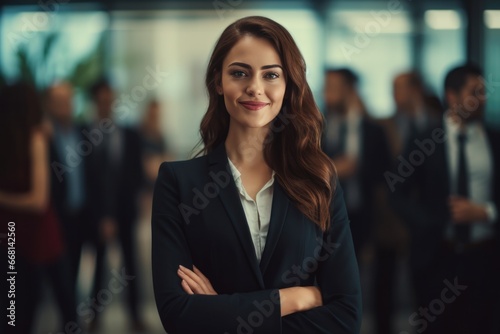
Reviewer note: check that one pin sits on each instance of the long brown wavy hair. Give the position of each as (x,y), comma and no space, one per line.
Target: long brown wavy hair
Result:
(292,147)
(21,113)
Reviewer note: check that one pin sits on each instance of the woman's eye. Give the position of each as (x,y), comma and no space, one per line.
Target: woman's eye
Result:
(238,74)
(272,75)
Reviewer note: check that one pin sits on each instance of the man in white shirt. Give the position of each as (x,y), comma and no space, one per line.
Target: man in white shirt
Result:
(452,201)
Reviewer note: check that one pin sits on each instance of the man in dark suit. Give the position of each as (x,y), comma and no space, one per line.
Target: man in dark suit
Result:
(68,192)
(449,196)
(358,147)
(69,172)
(116,179)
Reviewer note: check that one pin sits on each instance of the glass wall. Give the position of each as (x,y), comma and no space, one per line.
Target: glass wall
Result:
(376,44)
(375,39)
(178,44)
(46,46)
(443,45)
(492,66)
(151,53)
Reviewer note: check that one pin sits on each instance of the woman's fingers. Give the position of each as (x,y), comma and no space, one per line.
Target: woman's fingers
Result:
(200,274)
(196,281)
(186,287)
(191,279)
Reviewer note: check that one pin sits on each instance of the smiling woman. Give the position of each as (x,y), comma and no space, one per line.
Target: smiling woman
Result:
(253,83)
(267,248)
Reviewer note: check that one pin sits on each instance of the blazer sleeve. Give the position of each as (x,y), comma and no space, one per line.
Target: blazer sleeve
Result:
(183,313)
(338,280)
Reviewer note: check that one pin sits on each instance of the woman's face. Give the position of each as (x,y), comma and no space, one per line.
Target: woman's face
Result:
(253,82)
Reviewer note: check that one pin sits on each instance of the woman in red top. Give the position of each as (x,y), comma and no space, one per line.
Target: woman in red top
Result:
(25,201)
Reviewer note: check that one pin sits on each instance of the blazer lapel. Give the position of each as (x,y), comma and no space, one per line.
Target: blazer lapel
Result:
(229,196)
(278,215)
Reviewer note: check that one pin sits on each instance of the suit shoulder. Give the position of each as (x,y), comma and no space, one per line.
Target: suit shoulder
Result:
(185,166)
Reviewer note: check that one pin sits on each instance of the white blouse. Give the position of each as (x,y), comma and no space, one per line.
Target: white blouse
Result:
(258,212)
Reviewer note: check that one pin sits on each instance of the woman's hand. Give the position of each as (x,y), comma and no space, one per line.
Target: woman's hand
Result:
(194,282)
(299,298)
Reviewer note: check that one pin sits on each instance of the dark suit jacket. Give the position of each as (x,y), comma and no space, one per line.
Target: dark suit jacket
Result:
(120,202)
(198,219)
(422,199)
(59,189)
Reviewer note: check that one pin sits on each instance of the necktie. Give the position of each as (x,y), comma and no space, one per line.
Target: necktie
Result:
(462,231)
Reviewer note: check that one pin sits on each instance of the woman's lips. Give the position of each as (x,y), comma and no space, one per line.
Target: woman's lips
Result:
(253,105)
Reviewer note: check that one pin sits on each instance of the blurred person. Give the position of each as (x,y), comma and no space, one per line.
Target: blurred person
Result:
(416,112)
(251,257)
(115,180)
(155,150)
(359,149)
(416,109)
(450,203)
(68,186)
(25,200)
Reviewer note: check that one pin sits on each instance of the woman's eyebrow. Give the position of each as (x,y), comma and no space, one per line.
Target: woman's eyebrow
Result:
(244,65)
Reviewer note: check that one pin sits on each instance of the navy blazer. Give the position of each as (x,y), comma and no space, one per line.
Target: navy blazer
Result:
(198,219)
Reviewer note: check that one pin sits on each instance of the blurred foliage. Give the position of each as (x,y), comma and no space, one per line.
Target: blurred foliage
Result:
(36,69)
(90,68)
(26,69)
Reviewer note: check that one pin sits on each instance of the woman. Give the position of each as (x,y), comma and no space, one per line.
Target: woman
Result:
(25,201)
(253,237)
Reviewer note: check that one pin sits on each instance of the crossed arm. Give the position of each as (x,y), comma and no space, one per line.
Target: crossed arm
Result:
(293,299)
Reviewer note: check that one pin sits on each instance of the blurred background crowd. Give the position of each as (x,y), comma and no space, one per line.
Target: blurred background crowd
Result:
(95,95)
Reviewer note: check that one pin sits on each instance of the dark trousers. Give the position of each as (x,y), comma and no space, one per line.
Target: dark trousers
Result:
(27,291)
(27,296)
(463,294)
(75,234)
(126,237)
(384,284)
